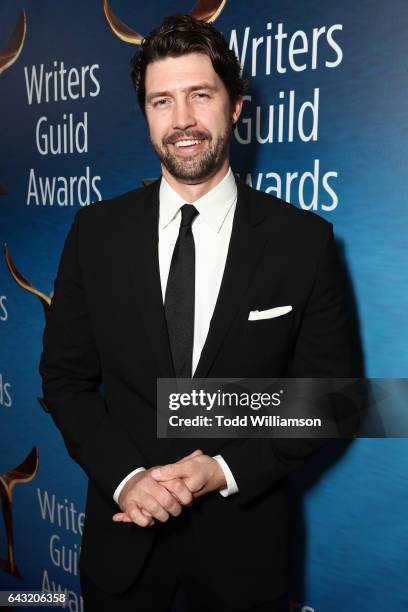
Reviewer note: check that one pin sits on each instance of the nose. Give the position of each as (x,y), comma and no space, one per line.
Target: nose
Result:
(183,116)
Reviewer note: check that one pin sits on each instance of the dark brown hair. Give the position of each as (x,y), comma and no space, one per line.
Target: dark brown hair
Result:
(182,34)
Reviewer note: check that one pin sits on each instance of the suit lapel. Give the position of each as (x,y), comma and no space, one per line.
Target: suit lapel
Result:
(141,242)
(248,237)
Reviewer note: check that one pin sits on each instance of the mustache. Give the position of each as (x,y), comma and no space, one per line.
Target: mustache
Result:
(190,134)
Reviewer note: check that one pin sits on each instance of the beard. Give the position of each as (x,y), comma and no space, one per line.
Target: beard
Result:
(200,166)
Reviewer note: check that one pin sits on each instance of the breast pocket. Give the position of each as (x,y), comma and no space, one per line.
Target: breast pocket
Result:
(264,346)
(269,313)
(269,335)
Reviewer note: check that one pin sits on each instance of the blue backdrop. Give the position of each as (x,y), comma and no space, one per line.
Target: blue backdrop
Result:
(324,125)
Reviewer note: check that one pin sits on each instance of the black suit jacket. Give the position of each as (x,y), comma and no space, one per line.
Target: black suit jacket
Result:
(107,326)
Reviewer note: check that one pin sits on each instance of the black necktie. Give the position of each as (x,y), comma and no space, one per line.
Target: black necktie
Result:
(180,294)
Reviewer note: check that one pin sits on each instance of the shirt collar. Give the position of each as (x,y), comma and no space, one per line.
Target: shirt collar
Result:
(213,206)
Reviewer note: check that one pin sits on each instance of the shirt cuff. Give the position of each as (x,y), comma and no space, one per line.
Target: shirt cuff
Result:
(232,486)
(124,481)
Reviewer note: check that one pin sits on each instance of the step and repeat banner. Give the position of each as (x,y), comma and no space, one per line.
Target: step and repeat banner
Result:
(324,126)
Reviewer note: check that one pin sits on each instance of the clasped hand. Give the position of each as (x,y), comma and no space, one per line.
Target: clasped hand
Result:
(161,492)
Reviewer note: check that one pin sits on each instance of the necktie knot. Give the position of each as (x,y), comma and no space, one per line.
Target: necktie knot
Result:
(188,214)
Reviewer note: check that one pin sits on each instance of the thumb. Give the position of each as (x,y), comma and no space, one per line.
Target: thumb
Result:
(170,471)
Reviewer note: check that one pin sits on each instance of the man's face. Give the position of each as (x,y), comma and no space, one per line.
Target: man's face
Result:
(189,115)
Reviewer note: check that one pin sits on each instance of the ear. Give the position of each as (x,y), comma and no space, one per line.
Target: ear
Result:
(236,108)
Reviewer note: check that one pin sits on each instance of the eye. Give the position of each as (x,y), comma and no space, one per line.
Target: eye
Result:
(160,103)
(202,95)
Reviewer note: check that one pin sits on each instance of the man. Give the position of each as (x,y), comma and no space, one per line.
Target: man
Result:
(160,282)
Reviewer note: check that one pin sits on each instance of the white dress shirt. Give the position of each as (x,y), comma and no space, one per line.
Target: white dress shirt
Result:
(212,232)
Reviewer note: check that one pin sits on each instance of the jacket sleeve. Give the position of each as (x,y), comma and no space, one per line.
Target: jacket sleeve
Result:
(323,349)
(71,375)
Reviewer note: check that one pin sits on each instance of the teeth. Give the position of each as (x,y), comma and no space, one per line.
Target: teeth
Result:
(186,143)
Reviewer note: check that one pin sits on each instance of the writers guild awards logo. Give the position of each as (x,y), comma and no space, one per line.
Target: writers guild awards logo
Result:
(10,54)
(204,10)
(24,472)
(27,286)
(24,283)
(28,468)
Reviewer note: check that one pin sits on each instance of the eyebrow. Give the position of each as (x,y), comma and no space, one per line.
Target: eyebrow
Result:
(158,94)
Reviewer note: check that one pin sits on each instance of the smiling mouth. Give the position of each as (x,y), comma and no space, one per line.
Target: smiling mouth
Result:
(188,145)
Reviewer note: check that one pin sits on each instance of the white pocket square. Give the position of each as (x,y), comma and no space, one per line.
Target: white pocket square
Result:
(257,315)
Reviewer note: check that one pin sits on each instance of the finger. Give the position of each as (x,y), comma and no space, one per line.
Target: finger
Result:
(121,517)
(180,491)
(195,483)
(136,515)
(153,506)
(172,470)
(169,502)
